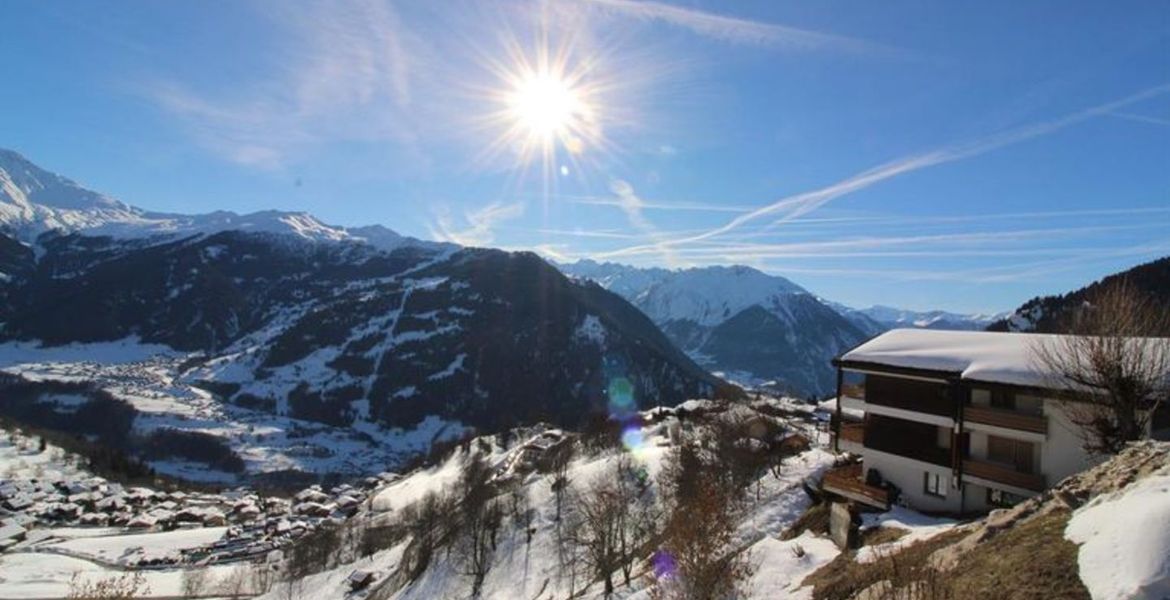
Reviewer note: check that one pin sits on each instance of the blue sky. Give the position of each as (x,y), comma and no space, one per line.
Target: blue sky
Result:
(926,155)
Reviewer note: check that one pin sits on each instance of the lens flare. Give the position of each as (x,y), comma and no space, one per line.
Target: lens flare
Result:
(621,397)
(665,566)
(632,438)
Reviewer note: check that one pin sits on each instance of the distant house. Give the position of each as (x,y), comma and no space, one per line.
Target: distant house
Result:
(951,422)
(360,580)
(10,534)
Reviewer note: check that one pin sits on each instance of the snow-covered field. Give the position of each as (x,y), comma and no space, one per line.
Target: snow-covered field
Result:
(131,549)
(148,377)
(39,575)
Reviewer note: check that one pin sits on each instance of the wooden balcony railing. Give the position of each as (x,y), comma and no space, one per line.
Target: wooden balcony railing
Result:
(1008,419)
(1005,475)
(846,481)
(853,432)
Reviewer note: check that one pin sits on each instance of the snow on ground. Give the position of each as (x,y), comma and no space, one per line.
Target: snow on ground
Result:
(781,566)
(409,490)
(130,549)
(38,575)
(917,525)
(1125,541)
(333,584)
(21,458)
(525,568)
(148,377)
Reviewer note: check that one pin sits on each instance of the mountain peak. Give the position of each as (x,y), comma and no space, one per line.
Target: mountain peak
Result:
(34,200)
(26,185)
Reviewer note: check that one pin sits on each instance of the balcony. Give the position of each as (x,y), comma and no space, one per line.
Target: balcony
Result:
(846,481)
(851,437)
(853,432)
(997,473)
(1007,419)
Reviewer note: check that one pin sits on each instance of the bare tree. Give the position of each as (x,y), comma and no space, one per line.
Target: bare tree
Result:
(258,580)
(127,586)
(613,521)
(699,537)
(1113,366)
(429,522)
(194,582)
(480,518)
(594,528)
(559,476)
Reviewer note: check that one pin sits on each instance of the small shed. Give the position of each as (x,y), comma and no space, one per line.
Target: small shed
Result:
(359,580)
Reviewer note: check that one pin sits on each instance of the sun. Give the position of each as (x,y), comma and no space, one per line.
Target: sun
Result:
(549,99)
(546,106)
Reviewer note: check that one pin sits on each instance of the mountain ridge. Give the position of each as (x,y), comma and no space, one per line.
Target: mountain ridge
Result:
(1052,314)
(34,201)
(754,327)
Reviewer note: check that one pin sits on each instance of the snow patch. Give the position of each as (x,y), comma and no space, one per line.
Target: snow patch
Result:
(1125,541)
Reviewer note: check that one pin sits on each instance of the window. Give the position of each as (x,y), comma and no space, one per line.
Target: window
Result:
(934,485)
(944,438)
(1002,499)
(1014,453)
(853,385)
(1003,398)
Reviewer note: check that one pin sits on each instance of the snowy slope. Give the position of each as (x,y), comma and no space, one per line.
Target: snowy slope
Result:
(706,296)
(1125,541)
(1055,314)
(523,567)
(750,326)
(330,357)
(34,201)
(756,328)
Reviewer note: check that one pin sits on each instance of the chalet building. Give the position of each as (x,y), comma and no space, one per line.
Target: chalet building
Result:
(951,422)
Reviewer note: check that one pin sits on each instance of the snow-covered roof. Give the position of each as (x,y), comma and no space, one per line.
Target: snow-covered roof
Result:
(986,356)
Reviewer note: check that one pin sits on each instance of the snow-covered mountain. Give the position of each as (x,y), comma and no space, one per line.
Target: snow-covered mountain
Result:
(877,318)
(1055,314)
(757,327)
(752,326)
(354,329)
(34,201)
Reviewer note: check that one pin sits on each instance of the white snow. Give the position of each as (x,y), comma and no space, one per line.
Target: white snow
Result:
(781,566)
(449,370)
(917,525)
(706,295)
(43,575)
(1124,541)
(972,355)
(591,330)
(33,200)
(130,549)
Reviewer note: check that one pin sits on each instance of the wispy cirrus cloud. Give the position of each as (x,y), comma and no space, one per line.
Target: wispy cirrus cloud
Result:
(798,205)
(1141,118)
(345,74)
(631,204)
(653,205)
(478,227)
(733,29)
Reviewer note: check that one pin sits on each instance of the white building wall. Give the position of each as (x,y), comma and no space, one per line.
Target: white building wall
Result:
(975,498)
(1062,454)
(909,476)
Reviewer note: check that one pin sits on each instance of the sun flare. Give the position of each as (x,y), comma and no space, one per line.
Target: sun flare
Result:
(551,100)
(545,105)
